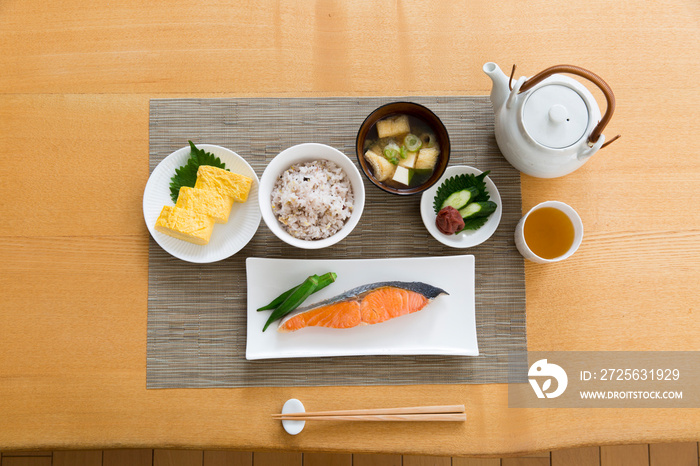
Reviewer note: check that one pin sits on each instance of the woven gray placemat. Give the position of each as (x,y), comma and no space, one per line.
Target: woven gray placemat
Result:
(197,313)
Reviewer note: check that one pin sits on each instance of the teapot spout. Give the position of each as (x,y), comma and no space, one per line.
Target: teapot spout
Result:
(500,89)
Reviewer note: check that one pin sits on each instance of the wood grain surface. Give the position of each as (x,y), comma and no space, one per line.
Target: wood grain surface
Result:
(77,458)
(672,454)
(624,455)
(376,460)
(74,94)
(583,456)
(227,458)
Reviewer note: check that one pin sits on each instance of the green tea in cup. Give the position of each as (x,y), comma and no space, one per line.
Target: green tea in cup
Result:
(549,232)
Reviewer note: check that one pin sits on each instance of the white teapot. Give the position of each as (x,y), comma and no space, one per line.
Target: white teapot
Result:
(548,125)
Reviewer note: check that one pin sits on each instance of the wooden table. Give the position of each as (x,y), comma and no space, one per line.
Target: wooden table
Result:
(75,86)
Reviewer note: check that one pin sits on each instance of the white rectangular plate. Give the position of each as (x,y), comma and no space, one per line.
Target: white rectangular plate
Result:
(445,326)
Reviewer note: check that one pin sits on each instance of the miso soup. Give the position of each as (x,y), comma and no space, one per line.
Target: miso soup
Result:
(402,151)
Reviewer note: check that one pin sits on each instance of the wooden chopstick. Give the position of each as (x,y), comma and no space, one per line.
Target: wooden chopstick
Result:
(454,417)
(408,410)
(414,413)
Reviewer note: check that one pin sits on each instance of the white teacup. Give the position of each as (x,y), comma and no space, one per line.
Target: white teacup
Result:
(525,250)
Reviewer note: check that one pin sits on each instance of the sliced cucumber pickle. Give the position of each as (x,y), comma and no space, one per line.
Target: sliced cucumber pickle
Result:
(461,198)
(478,209)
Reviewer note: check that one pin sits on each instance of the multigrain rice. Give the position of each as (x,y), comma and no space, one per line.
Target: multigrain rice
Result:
(312,200)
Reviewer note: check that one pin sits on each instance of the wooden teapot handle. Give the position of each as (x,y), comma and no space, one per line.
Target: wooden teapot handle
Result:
(594,78)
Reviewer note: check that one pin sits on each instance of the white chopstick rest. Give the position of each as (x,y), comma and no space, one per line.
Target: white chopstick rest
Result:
(293,406)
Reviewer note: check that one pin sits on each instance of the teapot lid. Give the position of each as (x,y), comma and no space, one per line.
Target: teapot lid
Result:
(555,116)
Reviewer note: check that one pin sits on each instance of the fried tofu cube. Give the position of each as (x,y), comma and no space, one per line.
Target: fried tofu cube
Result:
(376,148)
(224,182)
(427,158)
(205,201)
(393,126)
(381,167)
(185,224)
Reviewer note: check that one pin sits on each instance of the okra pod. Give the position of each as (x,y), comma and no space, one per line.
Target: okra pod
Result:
(293,301)
(282,308)
(325,280)
(278,300)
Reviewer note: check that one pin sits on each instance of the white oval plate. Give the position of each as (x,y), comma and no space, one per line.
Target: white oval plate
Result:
(465,239)
(226,239)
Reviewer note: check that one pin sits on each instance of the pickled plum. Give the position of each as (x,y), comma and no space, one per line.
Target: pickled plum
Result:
(449,221)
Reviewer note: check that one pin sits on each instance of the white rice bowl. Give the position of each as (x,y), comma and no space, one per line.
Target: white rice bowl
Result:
(313,200)
(299,155)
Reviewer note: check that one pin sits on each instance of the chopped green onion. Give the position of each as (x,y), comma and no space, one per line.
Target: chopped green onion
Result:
(427,139)
(403,152)
(391,153)
(413,142)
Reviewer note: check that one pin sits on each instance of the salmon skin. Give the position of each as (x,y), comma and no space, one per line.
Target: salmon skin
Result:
(364,305)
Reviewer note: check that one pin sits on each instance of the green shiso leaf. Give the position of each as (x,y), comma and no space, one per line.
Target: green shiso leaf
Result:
(473,224)
(186,175)
(458,183)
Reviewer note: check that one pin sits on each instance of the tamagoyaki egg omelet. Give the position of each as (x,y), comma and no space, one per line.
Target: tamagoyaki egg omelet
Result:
(225,182)
(210,201)
(185,224)
(205,201)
